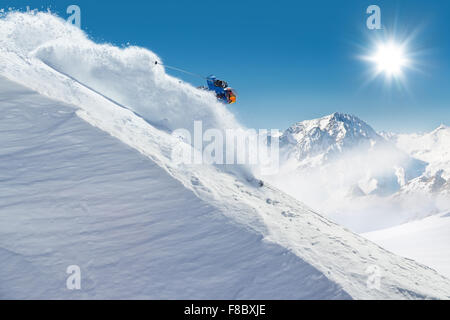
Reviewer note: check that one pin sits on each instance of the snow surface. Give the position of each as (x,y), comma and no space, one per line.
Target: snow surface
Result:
(74,195)
(138,224)
(426,241)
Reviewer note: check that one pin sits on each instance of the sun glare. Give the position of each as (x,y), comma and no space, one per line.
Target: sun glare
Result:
(390,59)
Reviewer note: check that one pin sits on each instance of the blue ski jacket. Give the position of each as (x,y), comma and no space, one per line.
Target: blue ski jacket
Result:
(220,92)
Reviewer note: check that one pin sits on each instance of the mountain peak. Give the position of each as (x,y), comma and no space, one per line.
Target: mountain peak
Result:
(440,131)
(345,117)
(334,132)
(334,120)
(442,127)
(338,116)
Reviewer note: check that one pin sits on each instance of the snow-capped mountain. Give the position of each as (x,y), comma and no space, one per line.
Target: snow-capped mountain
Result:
(433,148)
(339,164)
(342,136)
(434,185)
(87,179)
(327,136)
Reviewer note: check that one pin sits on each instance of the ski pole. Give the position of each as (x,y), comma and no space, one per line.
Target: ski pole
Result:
(180,70)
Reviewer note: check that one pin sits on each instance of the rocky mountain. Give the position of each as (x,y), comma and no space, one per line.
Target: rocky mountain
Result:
(327,136)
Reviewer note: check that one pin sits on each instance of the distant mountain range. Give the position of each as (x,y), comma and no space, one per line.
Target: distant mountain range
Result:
(434,149)
(341,137)
(339,159)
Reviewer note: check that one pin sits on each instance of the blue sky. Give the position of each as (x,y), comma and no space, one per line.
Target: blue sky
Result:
(289,60)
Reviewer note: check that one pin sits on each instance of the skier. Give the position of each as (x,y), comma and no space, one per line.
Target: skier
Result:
(220,87)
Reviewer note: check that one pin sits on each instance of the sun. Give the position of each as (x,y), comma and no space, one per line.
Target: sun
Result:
(393,56)
(389,58)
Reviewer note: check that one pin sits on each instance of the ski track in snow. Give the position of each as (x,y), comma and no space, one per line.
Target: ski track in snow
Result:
(72,194)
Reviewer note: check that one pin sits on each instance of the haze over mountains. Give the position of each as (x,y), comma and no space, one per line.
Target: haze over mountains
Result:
(362,179)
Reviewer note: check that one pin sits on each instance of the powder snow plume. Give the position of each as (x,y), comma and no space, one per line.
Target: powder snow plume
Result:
(128,75)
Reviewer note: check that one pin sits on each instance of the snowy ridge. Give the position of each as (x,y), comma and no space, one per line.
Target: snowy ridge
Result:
(72,194)
(328,135)
(432,147)
(433,186)
(325,253)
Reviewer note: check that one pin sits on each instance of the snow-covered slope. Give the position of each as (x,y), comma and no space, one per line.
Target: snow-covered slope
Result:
(426,241)
(138,224)
(74,195)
